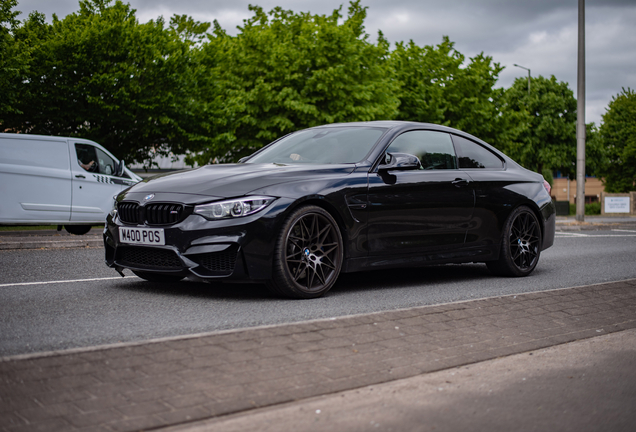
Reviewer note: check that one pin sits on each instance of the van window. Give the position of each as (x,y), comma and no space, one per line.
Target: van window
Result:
(94,160)
(50,154)
(86,157)
(106,163)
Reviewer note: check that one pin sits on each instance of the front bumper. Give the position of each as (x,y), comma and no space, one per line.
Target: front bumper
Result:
(235,249)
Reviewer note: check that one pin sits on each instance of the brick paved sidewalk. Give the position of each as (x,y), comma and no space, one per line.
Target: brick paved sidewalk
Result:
(173,382)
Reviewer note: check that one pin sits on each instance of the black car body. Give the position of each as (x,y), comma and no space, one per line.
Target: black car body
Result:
(366,193)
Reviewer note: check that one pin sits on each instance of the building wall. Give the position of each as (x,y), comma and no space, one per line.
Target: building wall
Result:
(593,189)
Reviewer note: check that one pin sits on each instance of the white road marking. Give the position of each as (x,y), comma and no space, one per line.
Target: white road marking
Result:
(620,230)
(62,281)
(558,235)
(572,234)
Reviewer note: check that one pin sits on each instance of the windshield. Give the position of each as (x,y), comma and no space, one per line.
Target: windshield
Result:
(333,145)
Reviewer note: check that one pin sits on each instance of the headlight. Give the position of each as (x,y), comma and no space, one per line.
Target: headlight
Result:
(113,210)
(233,208)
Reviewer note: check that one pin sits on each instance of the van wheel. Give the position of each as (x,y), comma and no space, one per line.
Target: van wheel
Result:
(77,229)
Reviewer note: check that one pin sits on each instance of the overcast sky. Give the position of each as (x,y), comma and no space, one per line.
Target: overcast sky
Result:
(538,34)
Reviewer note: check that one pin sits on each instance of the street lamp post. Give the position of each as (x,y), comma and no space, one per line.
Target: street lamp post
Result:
(580,119)
(528,76)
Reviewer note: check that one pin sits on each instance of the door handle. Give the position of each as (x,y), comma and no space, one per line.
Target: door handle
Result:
(459,182)
(79,176)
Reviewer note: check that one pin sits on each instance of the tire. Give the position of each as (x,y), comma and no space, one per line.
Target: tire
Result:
(308,254)
(77,229)
(158,277)
(521,245)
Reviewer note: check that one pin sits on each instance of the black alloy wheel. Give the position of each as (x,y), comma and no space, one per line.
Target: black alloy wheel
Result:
(308,255)
(158,277)
(521,245)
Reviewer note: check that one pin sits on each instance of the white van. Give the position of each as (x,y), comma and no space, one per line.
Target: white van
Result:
(58,181)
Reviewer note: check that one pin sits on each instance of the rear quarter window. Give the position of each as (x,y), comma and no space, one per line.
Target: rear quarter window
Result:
(472,155)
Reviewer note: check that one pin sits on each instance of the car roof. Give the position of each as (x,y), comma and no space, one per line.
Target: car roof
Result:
(400,125)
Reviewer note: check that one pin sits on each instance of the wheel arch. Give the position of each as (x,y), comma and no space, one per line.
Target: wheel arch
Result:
(330,208)
(537,213)
(535,210)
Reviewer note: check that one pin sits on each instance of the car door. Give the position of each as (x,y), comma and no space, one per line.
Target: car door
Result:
(420,210)
(493,196)
(94,183)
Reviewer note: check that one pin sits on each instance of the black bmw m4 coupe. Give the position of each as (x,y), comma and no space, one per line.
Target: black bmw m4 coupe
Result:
(336,198)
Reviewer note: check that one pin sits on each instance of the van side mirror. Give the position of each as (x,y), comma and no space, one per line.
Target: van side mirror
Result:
(120,168)
(400,161)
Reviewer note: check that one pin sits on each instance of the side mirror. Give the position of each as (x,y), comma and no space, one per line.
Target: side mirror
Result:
(243,159)
(120,168)
(400,161)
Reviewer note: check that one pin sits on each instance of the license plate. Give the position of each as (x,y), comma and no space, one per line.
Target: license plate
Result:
(144,236)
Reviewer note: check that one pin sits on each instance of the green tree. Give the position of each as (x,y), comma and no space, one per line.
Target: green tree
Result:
(436,87)
(14,59)
(100,74)
(545,138)
(189,29)
(286,71)
(618,135)
(596,154)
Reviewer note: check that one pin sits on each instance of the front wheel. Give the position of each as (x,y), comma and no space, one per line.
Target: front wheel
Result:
(158,277)
(308,255)
(521,245)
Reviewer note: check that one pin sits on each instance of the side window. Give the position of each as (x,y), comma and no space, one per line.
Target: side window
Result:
(94,160)
(472,155)
(106,163)
(87,157)
(434,149)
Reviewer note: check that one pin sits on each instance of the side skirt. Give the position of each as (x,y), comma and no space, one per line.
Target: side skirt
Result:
(477,254)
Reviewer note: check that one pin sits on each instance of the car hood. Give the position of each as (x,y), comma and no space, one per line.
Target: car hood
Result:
(232,180)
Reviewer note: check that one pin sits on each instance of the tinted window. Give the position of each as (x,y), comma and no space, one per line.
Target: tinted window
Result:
(333,145)
(94,160)
(434,149)
(472,155)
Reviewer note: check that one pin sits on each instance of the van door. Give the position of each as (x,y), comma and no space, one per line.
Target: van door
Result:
(94,183)
(35,180)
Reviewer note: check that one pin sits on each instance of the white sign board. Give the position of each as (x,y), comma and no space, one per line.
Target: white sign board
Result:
(616,204)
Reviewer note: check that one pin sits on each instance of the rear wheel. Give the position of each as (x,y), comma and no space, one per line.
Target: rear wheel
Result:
(158,277)
(308,255)
(521,245)
(77,229)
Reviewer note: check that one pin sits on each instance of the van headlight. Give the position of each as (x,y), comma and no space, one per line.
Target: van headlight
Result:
(235,208)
